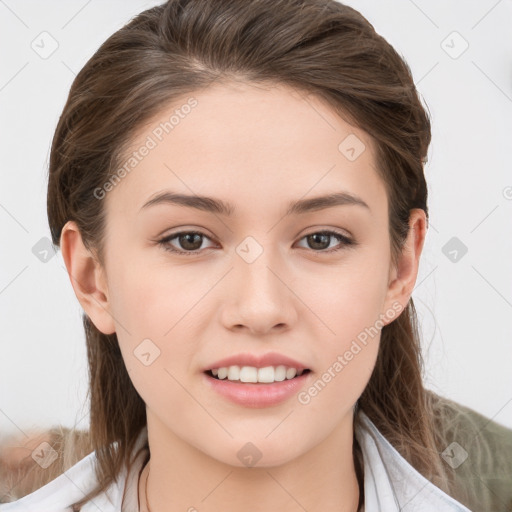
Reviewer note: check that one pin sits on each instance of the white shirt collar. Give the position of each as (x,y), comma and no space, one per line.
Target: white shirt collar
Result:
(391,484)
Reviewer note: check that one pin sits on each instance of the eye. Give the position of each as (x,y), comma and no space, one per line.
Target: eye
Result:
(190,241)
(321,241)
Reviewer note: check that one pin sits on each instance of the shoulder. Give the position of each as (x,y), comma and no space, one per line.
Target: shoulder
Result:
(70,487)
(59,494)
(391,483)
(31,460)
(478,451)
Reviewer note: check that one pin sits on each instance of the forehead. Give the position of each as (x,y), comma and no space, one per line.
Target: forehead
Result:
(249,141)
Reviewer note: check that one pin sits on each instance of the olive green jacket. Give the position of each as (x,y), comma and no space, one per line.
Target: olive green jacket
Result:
(478,454)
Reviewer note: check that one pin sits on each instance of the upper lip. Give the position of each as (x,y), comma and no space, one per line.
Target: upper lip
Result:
(258,361)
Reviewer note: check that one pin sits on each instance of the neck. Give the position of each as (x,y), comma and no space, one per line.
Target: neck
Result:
(184,478)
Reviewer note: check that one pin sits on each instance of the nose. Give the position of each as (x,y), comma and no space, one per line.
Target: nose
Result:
(259,298)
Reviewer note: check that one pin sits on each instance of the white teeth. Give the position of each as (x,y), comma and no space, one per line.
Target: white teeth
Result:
(248,374)
(234,373)
(290,373)
(268,374)
(280,373)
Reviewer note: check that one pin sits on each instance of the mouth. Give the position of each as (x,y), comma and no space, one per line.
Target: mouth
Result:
(253,375)
(257,387)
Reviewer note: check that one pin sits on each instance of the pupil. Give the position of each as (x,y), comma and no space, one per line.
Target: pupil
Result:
(315,237)
(187,244)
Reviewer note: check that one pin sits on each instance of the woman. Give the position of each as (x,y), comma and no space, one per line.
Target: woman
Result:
(238,193)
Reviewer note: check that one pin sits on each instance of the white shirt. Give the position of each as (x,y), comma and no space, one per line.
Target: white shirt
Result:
(391,484)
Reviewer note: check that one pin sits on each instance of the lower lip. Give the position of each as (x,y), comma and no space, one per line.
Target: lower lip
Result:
(257,395)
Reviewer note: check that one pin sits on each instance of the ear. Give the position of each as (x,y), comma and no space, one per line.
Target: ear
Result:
(87,278)
(402,278)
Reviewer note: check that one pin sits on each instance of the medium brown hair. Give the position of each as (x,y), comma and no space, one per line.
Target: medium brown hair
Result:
(175,49)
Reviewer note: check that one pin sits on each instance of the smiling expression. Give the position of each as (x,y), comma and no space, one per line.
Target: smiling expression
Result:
(247,230)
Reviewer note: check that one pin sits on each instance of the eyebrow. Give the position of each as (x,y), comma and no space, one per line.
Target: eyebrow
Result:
(210,204)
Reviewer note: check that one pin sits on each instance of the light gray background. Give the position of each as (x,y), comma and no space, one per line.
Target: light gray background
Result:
(465,307)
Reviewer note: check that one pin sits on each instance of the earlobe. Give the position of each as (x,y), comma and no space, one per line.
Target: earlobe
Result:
(404,275)
(87,278)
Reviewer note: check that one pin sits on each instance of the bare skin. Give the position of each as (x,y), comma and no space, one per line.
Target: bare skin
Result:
(259,148)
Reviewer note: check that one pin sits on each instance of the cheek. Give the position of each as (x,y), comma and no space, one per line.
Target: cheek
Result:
(349,299)
(349,307)
(151,299)
(335,390)
(157,345)
(345,357)
(154,314)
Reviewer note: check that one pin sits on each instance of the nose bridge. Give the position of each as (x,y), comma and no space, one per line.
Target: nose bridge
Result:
(255,260)
(259,297)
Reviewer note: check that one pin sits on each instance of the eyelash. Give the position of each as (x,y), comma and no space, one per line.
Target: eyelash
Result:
(346,242)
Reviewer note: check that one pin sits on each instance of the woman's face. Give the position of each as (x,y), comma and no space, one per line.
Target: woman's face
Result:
(256,280)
